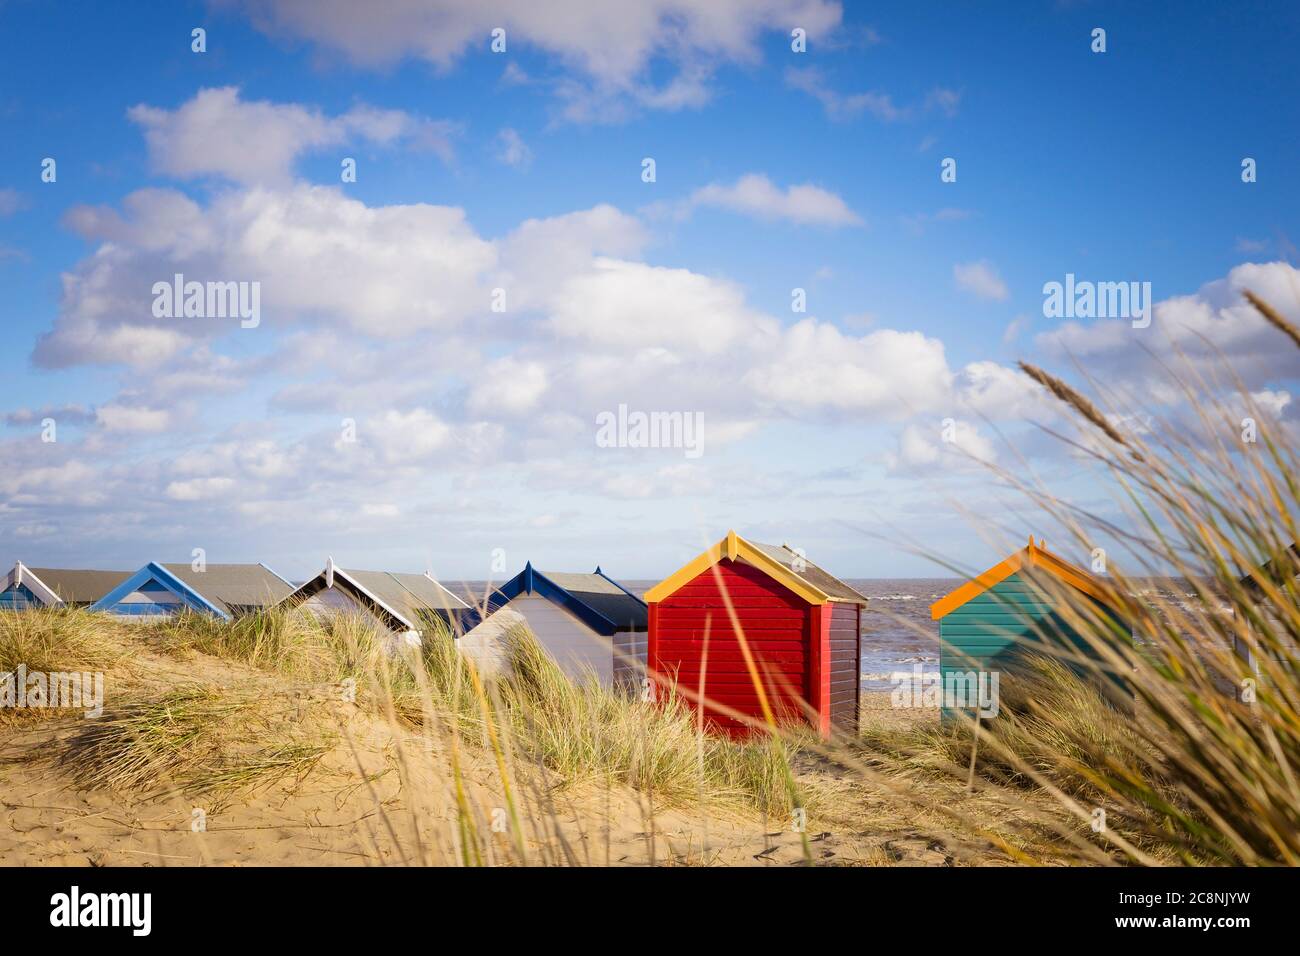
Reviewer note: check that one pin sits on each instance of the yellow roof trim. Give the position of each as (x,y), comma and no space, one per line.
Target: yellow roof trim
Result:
(735,548)
(1033,556)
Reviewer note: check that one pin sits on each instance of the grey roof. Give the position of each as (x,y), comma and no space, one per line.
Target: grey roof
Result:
(234,586)
(79,587)
(626,611)
(1267,570)
(410,595)
(822,580)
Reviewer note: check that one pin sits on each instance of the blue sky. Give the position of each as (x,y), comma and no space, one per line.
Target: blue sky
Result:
(521,170)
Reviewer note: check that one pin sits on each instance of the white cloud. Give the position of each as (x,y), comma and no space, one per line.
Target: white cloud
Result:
(938,448)
(610,47)
(1014,328)
(944,99)
(508,386)
(67,480)
(132,418)
(981,280)
(997,392)
(316,254)
(885,373)
(847,106)
(381,314)
(755,195)
(1272,402)
(918,222)
(512,150)
(70,413)
(840,106)
(199,489)
(1195,332)
(257,142)
(541,254)
(633,304)
(406,437)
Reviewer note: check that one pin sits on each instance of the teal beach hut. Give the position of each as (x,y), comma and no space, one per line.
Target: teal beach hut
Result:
(989,623)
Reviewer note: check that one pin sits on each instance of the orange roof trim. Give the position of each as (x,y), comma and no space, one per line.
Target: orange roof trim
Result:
(1033,556)
(734,547)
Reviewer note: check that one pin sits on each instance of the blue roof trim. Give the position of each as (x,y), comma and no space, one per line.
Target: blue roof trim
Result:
(619,586)
(156,572)
(531,581)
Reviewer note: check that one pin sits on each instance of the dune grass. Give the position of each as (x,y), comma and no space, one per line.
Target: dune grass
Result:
(199,740)
(58,639)
(579,730)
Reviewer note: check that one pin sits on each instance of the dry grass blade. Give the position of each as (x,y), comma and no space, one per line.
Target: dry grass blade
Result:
(1273,316)
(1076,401)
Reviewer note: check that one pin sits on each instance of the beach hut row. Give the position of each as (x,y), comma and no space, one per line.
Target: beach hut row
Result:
(589,623)
(751,633)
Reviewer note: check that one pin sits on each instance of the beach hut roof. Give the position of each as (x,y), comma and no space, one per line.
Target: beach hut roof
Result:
(234,587)
(598,601)
(400,599)
(1034,556)
(783,563)
(64,585)
(221,589)
(1267,571)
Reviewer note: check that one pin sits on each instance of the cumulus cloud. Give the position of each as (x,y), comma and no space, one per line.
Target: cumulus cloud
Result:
(938,448)
(611,47)
(623,303)
(886,373)
(1194,332)
(258,142)
(315,253)
(382,315)
(997,392)
(755,195)
(508,386)
(981,280)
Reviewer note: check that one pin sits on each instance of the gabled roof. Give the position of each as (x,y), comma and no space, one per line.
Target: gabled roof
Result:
(160,574)
(782,563)
(400,600)
(1033,556)
(77,586)
(56,586)
(234,587)
(21,576)
(598,601)
(1267,570)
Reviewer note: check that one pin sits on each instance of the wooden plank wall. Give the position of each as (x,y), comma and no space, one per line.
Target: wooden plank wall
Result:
(845,655)
(776,625)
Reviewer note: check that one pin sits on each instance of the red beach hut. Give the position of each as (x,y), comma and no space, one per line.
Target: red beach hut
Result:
(760,631)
